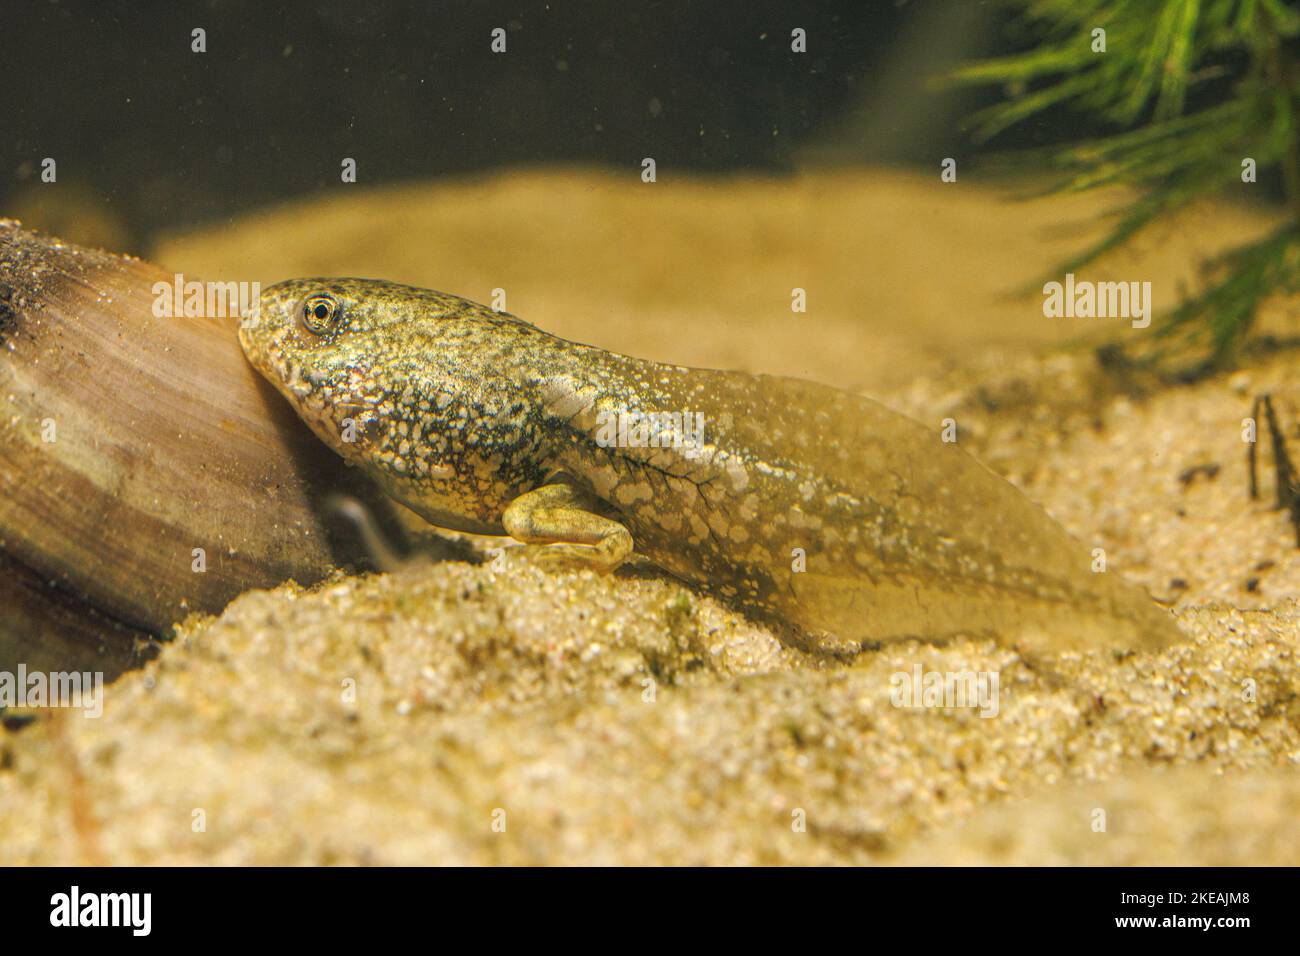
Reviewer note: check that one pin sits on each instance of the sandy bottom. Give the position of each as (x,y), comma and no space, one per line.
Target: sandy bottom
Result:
(493,713)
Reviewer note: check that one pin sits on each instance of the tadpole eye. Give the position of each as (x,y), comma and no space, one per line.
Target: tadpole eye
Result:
(321,313)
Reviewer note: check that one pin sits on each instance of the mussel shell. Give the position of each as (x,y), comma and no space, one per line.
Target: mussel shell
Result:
(166,441)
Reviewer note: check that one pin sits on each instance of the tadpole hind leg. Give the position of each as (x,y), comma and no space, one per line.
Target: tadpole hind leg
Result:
(565,530)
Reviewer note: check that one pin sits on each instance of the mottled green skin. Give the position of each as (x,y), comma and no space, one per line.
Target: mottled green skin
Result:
(460,410)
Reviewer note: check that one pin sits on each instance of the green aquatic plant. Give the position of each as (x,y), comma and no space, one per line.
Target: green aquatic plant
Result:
(1192,96)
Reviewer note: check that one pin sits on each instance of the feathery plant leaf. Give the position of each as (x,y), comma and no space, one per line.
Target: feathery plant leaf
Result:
(1135,66)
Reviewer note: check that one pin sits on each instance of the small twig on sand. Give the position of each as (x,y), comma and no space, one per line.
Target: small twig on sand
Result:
(84,824)
(1288,487)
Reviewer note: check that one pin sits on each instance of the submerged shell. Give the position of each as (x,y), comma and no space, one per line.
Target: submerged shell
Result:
(128,441)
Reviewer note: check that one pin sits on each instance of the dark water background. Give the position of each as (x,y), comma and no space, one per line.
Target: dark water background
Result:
(165,137)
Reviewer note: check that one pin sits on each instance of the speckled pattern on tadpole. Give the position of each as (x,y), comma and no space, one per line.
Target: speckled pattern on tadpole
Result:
(482,422)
